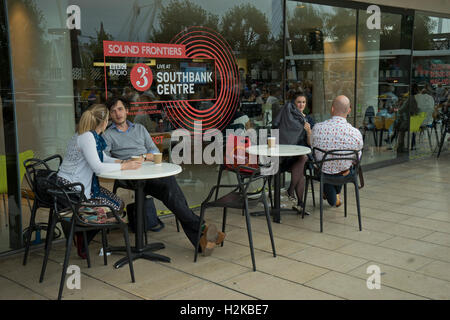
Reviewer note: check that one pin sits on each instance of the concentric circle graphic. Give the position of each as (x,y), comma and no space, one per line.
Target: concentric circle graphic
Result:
(205,43)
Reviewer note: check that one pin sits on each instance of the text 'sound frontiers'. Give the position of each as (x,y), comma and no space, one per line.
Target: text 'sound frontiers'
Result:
(194,78)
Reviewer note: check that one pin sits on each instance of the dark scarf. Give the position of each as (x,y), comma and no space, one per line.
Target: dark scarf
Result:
(291,123)
(100,144)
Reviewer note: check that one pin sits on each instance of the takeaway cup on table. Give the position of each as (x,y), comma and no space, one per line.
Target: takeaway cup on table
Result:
(271,142)
(157,158)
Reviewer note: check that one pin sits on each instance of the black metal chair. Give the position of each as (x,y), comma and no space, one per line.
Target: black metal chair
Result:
(238,198)
(34,168)
(67,202)
(318,175)
(223,167)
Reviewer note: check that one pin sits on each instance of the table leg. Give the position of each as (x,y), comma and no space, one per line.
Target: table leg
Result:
(141,251)
(276,196)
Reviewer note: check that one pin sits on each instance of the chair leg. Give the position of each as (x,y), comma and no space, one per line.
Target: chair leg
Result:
(269,182)
(4,207)
(48,243)
(437,136)
(249,232)
(442,142)
(127,245)
(49,223)
(30,231)
(375,138)
(305,196)
(105,254)
(312,191)
(269,224)
(87,249)
(429,138)
(199,232)
(177,223)
(66,258)
(358,205)
(321,205)
(224,222)
(219,178)
(345,200)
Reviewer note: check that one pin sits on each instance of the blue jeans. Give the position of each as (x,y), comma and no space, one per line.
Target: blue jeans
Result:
(331,190)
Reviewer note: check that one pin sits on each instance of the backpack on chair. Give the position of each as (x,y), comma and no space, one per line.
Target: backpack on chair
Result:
(236,154)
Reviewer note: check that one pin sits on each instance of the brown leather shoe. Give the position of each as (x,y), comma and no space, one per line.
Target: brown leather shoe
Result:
(220,237)
(208,239)
(338,200)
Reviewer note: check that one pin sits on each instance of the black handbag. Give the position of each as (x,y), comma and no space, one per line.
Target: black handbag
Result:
(153,222)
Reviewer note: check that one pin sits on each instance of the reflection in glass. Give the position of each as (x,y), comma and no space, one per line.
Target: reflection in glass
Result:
(321,54)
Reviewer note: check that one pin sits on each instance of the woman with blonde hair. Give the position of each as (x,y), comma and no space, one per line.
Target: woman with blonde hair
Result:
(84,159)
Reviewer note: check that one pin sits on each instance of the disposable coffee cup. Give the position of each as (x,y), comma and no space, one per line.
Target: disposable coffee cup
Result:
(271,142)
(136,158)
(157,158)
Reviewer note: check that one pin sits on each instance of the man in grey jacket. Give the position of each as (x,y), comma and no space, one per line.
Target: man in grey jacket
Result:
(126,139)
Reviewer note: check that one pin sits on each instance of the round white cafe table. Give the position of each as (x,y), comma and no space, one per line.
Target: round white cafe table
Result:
(279,150)
(148,170)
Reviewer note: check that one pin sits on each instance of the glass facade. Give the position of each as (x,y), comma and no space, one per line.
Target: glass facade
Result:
(55,52)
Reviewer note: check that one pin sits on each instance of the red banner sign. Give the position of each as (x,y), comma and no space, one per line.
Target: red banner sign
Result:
(140,49)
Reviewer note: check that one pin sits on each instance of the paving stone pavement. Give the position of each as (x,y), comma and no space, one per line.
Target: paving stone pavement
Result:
(406,234)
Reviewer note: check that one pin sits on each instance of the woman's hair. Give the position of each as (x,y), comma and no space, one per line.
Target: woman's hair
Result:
(92,118)
(299,94)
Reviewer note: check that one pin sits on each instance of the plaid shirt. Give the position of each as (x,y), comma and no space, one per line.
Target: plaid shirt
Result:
(335,134)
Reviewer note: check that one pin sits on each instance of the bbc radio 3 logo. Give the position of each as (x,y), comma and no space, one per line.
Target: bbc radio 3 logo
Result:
(141,77)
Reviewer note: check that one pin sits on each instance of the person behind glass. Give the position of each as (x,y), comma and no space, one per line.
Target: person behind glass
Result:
(85,159)
(336,134)
(126,139)
(295,129)
(143,117)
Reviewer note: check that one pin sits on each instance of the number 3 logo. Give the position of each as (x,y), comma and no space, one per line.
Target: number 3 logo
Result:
(141,77)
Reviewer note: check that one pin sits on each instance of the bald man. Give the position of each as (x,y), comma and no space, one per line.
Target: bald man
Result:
(334,134)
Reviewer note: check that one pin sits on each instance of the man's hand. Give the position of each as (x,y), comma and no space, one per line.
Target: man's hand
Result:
(149,157)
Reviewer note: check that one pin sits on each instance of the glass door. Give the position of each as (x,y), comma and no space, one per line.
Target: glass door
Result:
(320,58)
(383,94)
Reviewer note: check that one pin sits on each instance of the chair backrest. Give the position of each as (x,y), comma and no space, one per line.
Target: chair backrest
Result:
(379,122)
(235,154)
(64,197)
(416,121)
(337,155)
(22,157)
(36,172)
(369,115)
(388,122)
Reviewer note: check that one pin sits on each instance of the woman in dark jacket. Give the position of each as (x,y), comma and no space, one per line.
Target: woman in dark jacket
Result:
(295,128)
